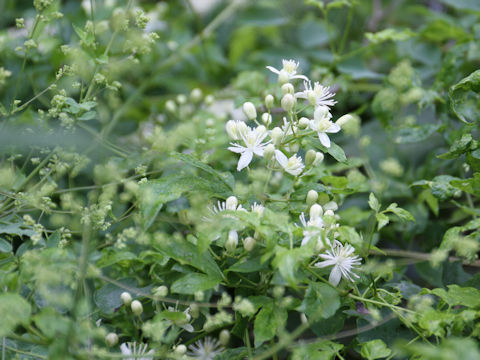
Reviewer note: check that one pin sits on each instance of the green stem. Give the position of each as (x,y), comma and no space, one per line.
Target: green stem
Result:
(347,29)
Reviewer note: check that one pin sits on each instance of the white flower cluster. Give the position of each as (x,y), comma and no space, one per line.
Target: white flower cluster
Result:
(279,147)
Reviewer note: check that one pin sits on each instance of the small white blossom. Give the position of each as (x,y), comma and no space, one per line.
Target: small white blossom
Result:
(322,124)
(257,208)
(318,95)
(292,165)
(235,129)
(253,140)
(343,260)
(230,204)
(313,227)
(287,72)
(136,350)
(206,349)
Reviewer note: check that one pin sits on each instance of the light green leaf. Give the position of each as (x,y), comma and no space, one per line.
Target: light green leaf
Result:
(383,220)
(321,301)
(15,311)
(401,213)
(457,295)
(373,202)
(389,34)
(375,349)
(191,283)
(269,320)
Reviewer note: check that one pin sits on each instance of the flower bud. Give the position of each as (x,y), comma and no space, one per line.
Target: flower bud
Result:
(303,123)
(196,95)
(310,157)
(210,122)
(283,77)
(288,89)
(249,110)
(209,99)
(316,211)
(344,119)
(249,243)
(136,307)
(194,310)
(329,213)
(161,291)
(277,136)
(232,241)
(171,106)
(224,337)
(180,350)
(278,291)
(268,152)
(111,339)
(126,298)
(331,205)
(293,147)
(269,101)
(261,129)
(312,197)
(318,158)
(231,203)
(288,102)
(181,99)
(267,118)
(199,295)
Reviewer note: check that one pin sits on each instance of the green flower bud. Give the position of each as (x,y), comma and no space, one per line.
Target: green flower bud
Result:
(288,89)
(303,123)
(267,118)
(171,106)
(181,99)
(194,310)
(316,211)
(249,110)
(209,99)
(288,102)
(111,339)
(224,337)
(249,243)
(318,158)
(196,95)
(232,241)
(136,307)
(277,136)
(161,291)
(312,197)
(126,298)
(269,101)
(268,152)
(278,291)
(180,350)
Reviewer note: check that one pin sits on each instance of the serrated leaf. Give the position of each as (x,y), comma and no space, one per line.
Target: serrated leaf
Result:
(458,92)
(457,295)
(321,301)
(401,213)
(383,220)
(389,35)
(458,147)
(268,321)
(373,202)
(375,349)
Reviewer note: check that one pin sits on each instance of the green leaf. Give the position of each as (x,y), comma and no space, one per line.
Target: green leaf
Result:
(337,152)
(51,323)
(226,178)
(401,213)
(321,301)
(460,90)
(415,133)
(191,283)
(441,30)
(441,187)
(383,220)
(269,320)
(15,311)
(321,350)
(247,265)
(375,349)
(108,299)
(458,147)
(340,182)
(89,115)
(389,35)
(457,295)
(187,253)
(5,246)
(373,203)
(473,5)
(288,260)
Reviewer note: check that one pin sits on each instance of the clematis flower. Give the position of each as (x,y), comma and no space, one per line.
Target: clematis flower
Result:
(318,95)
(292,165)
(343,261)
(136,350)
(206,349)
(313,227)
(322,124)
(252,138)
(287,72)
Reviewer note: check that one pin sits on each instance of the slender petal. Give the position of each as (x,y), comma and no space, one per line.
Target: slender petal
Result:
(324,139)
(245,159)
(334,128)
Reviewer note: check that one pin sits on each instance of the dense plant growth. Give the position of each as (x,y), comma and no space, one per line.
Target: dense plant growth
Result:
(239,179)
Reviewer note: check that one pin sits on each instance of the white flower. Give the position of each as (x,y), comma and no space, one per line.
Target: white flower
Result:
(322,125)
(185,326)
(287,72)
(343,261)
(291,165)
(313,227)
(318,95)
(230,204)
(206,350)
(257,208)
(135,350)
(235,128)
(252,139)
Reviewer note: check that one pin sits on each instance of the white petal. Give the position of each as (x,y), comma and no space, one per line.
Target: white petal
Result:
(335,276)
(299,77)
(236,149)
(125,349)
(334,128)
(324,139)
(305,240)
(244,160)
(325,263)
(258,151)
(272,69)
(281,158)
